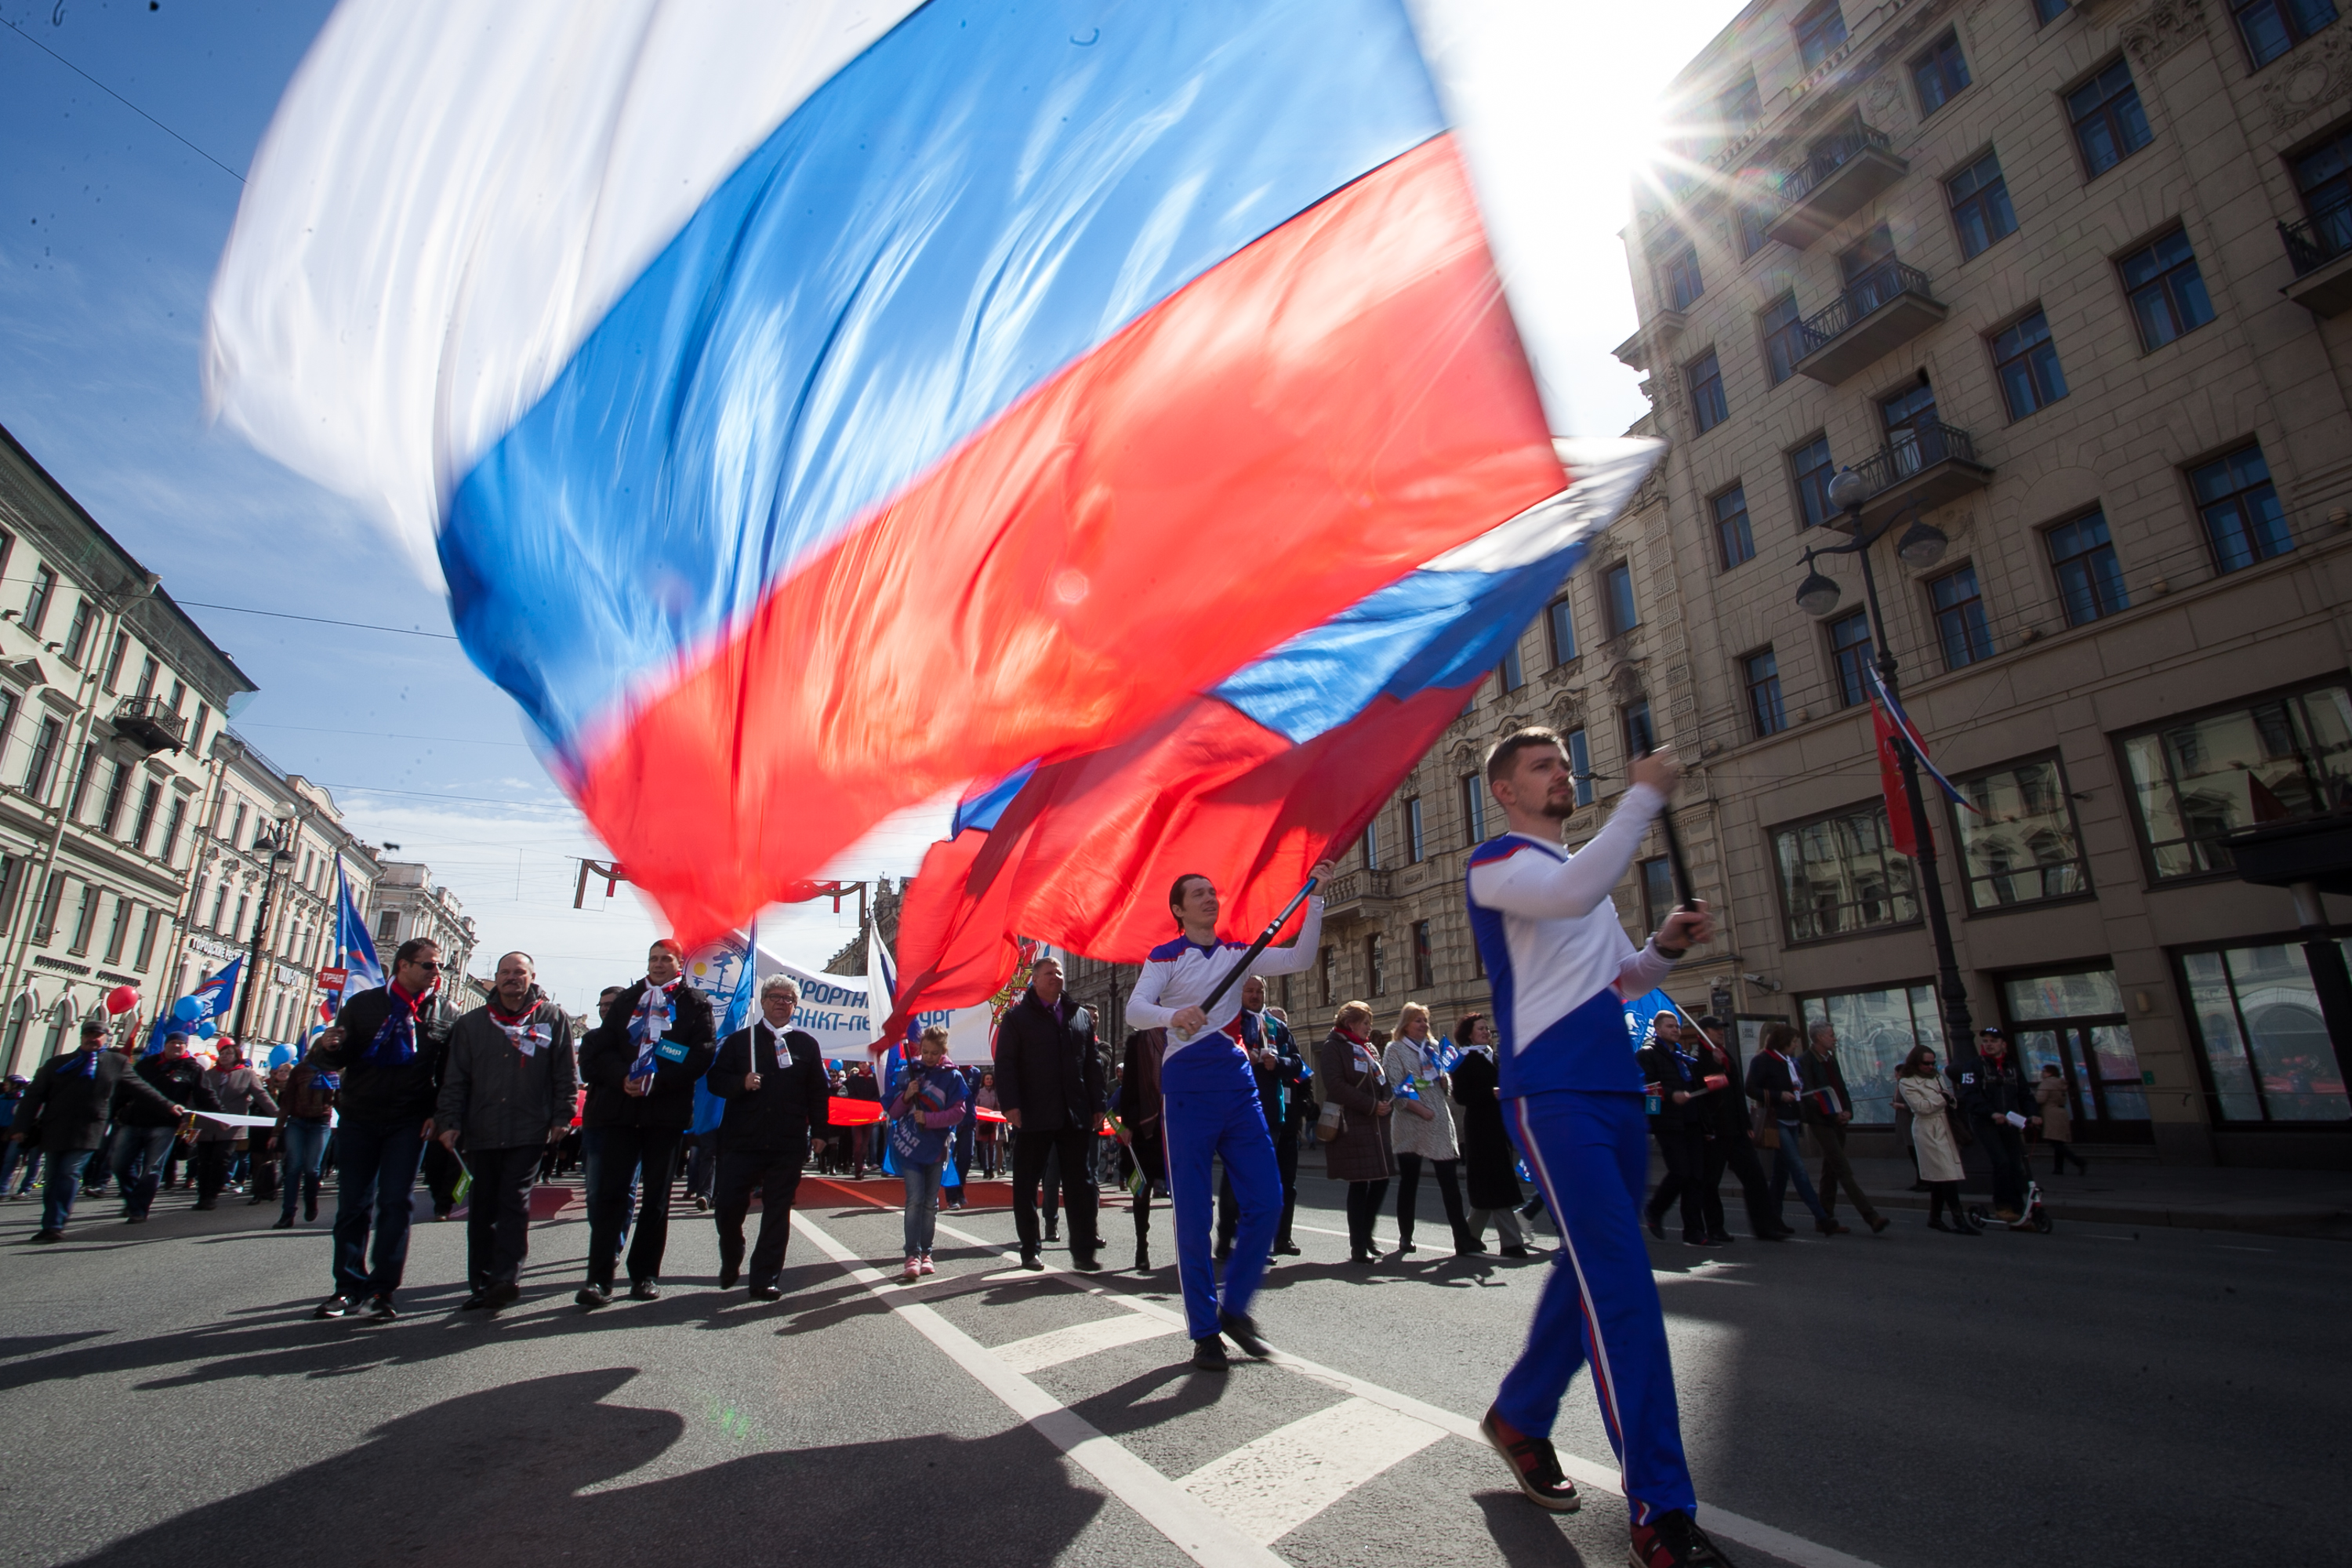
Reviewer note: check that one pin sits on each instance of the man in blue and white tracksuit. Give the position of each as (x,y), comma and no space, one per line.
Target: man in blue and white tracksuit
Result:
(1562,968)
(1208,1094)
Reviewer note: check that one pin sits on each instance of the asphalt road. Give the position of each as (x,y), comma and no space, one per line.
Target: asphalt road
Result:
(2090,1397)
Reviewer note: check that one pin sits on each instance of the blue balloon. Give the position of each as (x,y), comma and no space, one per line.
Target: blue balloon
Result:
(207,1029)
(187,1009)
(281,1056)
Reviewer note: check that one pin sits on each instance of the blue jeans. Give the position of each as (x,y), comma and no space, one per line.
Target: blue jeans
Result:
(922,1205)
(1787,1163)
(376,1171)
(65,1179)
(136,1158)
(306,1146)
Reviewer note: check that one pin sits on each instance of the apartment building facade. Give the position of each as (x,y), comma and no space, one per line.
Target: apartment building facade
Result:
(110,696)
(2067,284)
(408,903)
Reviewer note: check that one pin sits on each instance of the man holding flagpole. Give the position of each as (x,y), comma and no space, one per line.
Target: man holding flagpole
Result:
(1562,971)
(772,1077)
(1212,1112)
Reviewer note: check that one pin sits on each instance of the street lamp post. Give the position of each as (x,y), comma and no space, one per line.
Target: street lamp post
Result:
(1922,545)
(278,847)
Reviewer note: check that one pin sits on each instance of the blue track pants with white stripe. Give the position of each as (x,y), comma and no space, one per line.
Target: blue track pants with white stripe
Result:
(1591,1156)
(1228,1126)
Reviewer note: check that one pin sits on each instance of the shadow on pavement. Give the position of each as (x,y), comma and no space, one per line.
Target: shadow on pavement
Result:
(1525,1536)
(498,1477)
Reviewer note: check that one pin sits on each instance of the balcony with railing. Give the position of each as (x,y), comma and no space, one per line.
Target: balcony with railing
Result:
(2319,248)
(1843,171)
(1884,309)
(1925,466)
(150,723)
(1357,894)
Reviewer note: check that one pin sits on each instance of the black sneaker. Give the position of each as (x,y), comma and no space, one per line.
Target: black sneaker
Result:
(594,1296)
(1674,1540)
(334,1307)
(1209,1354)
(380,1308)
(1243,1332)
(1534,1464)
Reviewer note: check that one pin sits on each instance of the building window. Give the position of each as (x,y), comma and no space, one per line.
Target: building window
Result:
(1376,965)
(236,926)
(1329,969)
(1875,1030)
(81,791)
(1657,877)
(2019,844)
(1511,674)
(1580,765)
(1981,209)
(1961,628)
(149,669)
(2026,362)
(236,827)
(114,661)
(2168,292)
(7,717)
(1761,673)
(1850,655)
(78,631)
(2241,510)
(85,920)
(1840,874)
(171,822)
(1739,108)
(147,931)
(2109,124)
(1416,846)
(2323,177)
(1560,626)
(1784,338)
(1371,845)
(1424,961)
(387,926)
(2272,28)
(1751,221)
(1810,465)
(1640,737)
(109,815)
(42,764)
(2196,780)
(2264,1040)
(120,932)
(36,603)
(196,730)
(220,906)
(1683,282)
(1819,31)
(1707,407)
(1474,808)
(1734,540)
(2048,11)
(144,823)
(53,892)
(1617,594)
(1939,74)
(2090,579)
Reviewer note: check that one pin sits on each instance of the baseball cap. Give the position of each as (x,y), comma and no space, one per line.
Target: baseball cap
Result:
(94,1026)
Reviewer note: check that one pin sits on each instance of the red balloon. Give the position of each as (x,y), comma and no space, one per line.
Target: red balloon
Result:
(121,999)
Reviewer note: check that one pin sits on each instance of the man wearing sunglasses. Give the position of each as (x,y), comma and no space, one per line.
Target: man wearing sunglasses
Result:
(389,1045)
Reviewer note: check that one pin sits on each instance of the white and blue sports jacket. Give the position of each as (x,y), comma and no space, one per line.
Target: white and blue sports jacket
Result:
(1180,973)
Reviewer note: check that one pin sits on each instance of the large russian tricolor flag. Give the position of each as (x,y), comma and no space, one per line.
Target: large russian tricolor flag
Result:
(815,406)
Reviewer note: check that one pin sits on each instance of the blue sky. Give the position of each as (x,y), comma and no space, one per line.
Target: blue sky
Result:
(110,229)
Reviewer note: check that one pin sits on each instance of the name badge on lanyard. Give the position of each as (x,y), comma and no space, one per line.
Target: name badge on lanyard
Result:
(671,1051)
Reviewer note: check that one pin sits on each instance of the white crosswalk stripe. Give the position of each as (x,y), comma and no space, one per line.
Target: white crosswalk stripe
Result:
(1039,1352)
(1270,1487)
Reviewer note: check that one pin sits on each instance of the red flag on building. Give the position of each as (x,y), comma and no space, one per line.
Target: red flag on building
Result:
(1890,780)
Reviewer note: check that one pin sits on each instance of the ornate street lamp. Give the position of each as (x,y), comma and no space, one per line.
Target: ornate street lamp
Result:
(274,847)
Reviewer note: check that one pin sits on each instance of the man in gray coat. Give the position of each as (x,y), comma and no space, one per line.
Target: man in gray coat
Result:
(506,1093)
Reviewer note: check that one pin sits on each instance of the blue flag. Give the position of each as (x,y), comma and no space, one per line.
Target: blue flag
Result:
(199,1013)
(742,1004)
(354,949)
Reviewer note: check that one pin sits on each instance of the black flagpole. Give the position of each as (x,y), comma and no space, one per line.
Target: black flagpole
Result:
(1683,898)
(1264,938)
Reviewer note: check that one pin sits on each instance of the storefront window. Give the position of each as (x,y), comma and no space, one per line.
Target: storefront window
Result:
(2020,843)
(1839,875)
(2266,1048)
(2279,761)
(2074,1021)
(1875,1030)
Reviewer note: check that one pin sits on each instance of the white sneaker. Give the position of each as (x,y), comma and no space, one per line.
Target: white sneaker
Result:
(914,1271)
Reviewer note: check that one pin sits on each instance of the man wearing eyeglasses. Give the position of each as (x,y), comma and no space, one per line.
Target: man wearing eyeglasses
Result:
(390,1045)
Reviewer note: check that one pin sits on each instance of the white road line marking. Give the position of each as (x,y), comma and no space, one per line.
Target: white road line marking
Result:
(1720,1521)
(1271,1487)
(1039,1352)
(1174,1512)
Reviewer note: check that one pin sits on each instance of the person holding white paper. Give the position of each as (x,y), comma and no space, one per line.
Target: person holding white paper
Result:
(1999,1107)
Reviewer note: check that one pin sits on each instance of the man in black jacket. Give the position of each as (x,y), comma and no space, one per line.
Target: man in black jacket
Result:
(389,1045)
(1827,1110)
(2000,1106)
(65,1112)
(508,1092)
(1280,1070)
(640,1064)
(1670,1085)
(143,1130)
(1049,1084)
(773,1082)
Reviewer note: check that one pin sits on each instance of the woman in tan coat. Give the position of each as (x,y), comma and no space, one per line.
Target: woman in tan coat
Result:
(2057,1122)
(1931,1104)
(1349,1076)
